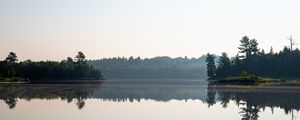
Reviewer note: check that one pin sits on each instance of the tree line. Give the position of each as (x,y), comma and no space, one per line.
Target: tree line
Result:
(151,68)
(67,69)
(252,60)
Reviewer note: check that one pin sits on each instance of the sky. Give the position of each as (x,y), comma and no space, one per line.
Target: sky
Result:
(56,29)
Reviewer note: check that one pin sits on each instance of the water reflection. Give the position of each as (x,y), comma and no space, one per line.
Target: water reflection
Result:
(11,93)
(251,101)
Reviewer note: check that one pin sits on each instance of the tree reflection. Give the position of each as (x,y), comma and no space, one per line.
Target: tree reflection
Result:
(78,94)
(252,100)
(80,103)
(11,102)
(10,93)
(211,98)
(249,112)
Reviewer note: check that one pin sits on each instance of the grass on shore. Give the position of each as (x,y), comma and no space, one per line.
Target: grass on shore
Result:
(246,77)
(251,78)
(12,79)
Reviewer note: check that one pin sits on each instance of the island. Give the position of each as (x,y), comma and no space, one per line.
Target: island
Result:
(66,71)
(254,66)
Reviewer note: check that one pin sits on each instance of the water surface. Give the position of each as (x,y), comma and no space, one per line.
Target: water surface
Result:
(140,100)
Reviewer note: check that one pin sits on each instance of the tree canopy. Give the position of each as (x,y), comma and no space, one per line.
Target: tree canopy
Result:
(41,70)
(152,68)
(282,64)
(211,67)
(12,57)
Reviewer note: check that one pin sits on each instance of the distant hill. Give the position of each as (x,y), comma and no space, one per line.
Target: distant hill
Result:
(152,68)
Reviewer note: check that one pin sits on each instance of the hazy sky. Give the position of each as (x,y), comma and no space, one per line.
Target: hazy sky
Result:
(56,29)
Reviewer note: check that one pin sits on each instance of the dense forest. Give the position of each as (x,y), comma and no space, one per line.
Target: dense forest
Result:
(152,68)
(254,61)
(69,69)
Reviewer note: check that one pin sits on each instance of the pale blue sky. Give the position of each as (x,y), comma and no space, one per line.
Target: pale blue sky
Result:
(55,29)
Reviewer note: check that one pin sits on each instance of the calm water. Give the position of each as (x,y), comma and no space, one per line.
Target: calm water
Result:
(141,100)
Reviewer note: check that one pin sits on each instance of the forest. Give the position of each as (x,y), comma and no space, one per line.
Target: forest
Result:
(69,69)
(253,61)
(151,68)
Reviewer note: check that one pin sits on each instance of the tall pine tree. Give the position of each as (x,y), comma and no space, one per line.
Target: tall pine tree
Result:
(211,66)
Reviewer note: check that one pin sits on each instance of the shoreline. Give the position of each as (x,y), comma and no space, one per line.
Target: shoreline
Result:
(54,82)
(251,80)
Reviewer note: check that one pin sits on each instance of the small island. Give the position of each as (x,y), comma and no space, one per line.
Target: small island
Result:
(254,66)
(66,71)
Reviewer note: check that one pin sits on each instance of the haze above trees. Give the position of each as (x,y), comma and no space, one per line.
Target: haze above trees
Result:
(152,68)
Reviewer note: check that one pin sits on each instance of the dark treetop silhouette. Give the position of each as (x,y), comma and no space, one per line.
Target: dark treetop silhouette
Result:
(11,70)
(252,62)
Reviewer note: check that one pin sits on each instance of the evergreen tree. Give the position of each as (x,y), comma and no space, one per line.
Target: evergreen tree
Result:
(236,65)
(11,58)
(37,71)
(282,64)
(70,60)
(245,47)
(262,52)
(211,67)
(80,58)
(271,51)
(253,47)
(224,66)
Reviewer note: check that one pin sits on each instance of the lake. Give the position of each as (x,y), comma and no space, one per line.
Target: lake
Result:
(149,100)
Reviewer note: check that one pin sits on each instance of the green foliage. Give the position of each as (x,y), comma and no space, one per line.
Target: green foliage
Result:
(12,79)
(253,47)
(248,47)
(243,77)
(36,71)
(245,46)
(245,74)
(224,66)
(267,79)
(211,67)
(265,65)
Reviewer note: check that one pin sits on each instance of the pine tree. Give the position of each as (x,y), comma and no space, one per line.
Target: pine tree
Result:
(253,47)
(211,67)
(12,57)
(224,66)
(80,58)
(245,47)
(271,51)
